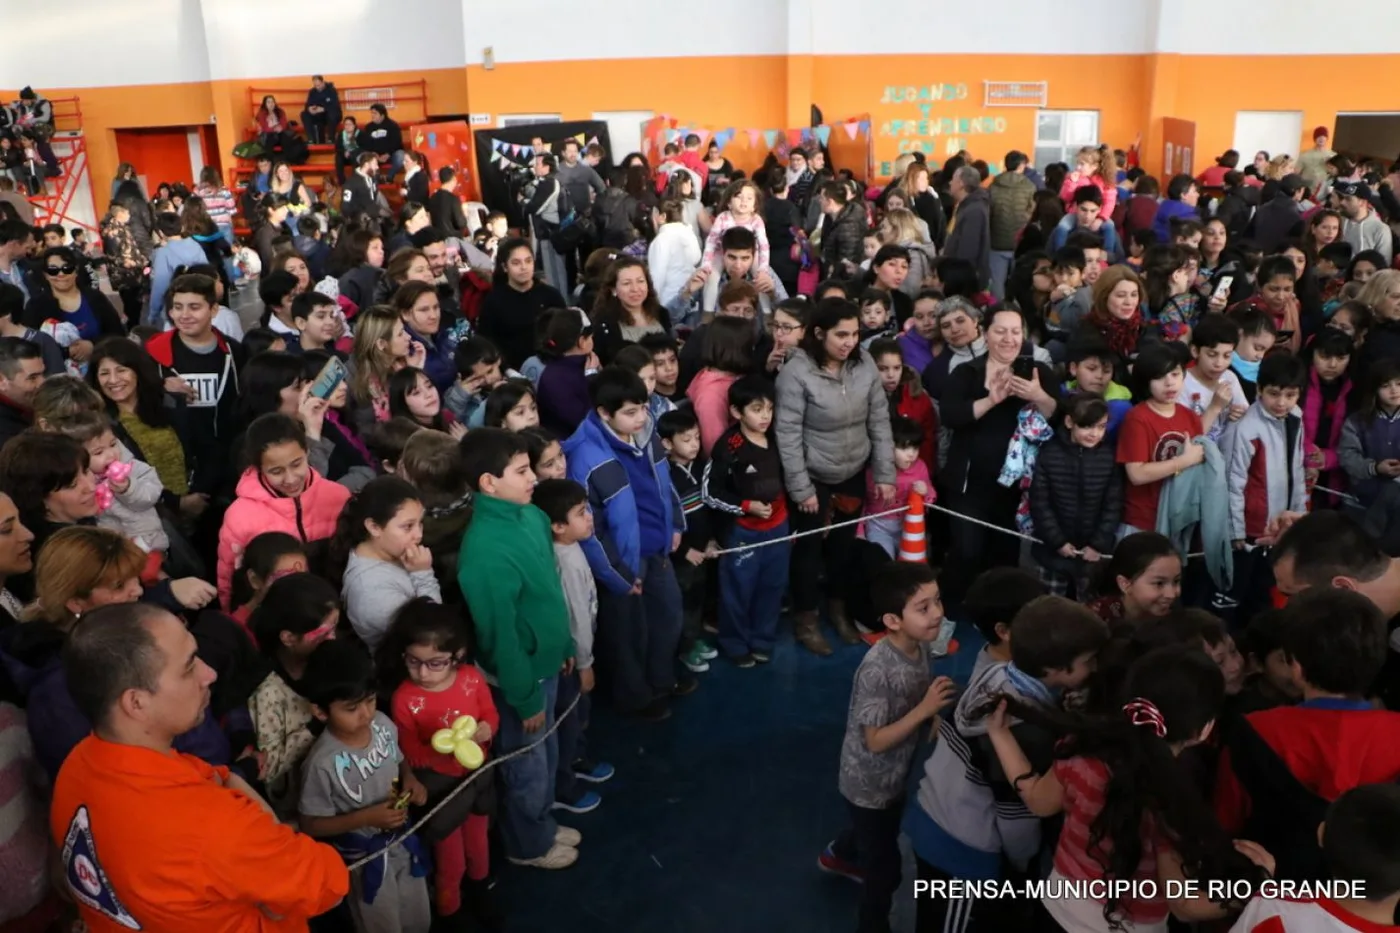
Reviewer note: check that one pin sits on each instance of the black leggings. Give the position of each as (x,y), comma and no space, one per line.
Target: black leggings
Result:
(974,548)
(831,552)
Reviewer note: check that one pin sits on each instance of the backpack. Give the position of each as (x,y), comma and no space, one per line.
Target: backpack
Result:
(574,228)
(613,214)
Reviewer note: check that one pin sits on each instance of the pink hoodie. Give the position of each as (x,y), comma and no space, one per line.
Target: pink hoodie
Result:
(709,394)
(311,516)
(1075,180)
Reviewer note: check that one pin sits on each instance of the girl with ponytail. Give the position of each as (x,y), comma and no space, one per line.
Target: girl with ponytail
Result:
(1094,165)
(1131,812)
(378,545)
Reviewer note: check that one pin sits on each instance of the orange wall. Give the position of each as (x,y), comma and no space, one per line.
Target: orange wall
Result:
(1131,92)
(1111,84)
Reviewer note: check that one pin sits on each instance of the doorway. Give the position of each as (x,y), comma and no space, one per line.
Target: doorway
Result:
(169,154)
(624,131)
(1368,136)
(1277,132)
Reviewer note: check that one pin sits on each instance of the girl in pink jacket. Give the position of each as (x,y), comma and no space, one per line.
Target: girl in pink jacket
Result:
(280,492)
(1097,167)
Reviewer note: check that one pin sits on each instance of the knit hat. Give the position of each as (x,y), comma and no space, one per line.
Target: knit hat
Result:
(1321,131)
(27,93)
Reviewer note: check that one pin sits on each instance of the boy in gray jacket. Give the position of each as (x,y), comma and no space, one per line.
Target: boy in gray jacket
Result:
(565,503)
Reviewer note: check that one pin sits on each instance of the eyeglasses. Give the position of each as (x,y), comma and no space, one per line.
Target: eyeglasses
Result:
(436,665)
(61,270)
(786,328)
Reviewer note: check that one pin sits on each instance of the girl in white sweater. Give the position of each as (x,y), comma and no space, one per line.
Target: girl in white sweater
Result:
(674,254)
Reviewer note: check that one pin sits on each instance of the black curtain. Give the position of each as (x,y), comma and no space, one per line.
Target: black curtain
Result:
(500,182)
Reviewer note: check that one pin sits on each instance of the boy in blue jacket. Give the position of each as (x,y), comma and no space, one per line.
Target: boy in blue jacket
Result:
(637,523)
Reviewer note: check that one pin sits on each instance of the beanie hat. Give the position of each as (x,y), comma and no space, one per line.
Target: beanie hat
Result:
(1321,131)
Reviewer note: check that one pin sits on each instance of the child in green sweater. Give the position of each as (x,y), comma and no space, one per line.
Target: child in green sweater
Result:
(507,573)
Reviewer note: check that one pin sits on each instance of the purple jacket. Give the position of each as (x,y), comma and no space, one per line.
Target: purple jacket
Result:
(916,350)
(562,394)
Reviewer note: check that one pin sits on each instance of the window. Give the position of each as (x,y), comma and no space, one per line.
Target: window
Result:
(1277,132)
(525,119)
(1059,134)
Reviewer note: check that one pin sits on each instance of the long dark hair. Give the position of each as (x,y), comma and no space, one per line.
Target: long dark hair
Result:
(827,314)
(1146,784)
(499,278)
(607,308)
(259,557)
(378,502)
(263,378)
(400,384)
(297,603)
(150,391)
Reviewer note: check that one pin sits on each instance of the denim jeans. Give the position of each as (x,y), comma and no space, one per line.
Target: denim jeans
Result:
(1001,261)
(552,265)
(570,735)
(751,587)
(527,782)
(638,635)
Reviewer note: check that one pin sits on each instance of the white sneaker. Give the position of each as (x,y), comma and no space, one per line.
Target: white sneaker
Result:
(567,836)
(558,856)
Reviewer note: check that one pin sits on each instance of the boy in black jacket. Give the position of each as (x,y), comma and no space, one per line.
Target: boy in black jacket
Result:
(745,480)
(1076,497)
(680,435)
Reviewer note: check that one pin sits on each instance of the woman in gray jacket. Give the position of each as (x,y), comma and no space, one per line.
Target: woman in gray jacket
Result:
(832,422)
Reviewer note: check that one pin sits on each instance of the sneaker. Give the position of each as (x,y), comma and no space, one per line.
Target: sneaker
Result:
(594,772)
(744,660)
(696,661)
(558,856)
(657,710)
(833,865)
(707,651)
(762,657)
(567,836)
(685,688)
(585,802)
(710,626)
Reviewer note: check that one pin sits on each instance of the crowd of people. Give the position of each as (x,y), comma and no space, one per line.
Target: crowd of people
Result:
(457,483)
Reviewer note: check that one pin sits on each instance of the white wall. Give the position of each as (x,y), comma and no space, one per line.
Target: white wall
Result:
(570,30)
(276,38)
(1280,27)
(96,43)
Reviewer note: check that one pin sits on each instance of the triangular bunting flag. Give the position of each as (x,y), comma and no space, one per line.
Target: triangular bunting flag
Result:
(865,126)
(495,155)
(794,138)
(704,136)
(823,134)
(770,137)
(753,138)
(579,137)
(528,151)
(593,141)
(497,145)
(853,130)
(723,137)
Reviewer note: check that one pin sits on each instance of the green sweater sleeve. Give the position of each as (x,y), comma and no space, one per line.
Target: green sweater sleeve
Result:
(493,592)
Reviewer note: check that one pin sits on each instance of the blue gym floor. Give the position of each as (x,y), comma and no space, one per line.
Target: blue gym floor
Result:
(715,818)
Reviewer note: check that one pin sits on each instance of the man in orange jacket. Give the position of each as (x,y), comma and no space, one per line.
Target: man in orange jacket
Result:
(154,840)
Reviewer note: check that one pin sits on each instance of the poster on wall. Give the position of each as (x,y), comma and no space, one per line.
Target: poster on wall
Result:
(1178,142)
(448,144)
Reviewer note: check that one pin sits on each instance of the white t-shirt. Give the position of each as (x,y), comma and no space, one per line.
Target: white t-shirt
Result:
(1195,396)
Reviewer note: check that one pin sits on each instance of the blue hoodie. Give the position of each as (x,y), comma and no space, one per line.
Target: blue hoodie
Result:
(1167,211)
(635,508)
(166,260)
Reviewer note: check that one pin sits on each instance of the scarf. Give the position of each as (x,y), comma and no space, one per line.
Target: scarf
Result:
(1248,370)
(1121,333)
(793,177)
(1032,430)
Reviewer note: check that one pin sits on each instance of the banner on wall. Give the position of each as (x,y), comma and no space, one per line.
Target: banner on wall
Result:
(504,154)
(848,143)
(448,144)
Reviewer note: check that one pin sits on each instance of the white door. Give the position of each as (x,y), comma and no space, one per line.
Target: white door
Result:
(624,131)
(1060,134)
(1276,132)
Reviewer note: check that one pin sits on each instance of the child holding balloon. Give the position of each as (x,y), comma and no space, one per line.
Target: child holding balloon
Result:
(446,718)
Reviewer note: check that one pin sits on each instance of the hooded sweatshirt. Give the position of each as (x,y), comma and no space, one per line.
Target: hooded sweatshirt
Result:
(966,813)
(1266,470)
(310,516)
(166,260)
(709,396)
(376,589)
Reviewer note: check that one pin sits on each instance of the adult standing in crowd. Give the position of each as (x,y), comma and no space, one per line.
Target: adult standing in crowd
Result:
(1012,197)
(322,113)
(152,839)
(843,230)
(445,207)
(516,300)
(982,406)
(1363,227)
(1279,218)
(971,236)
(545,215)
(1312,165)
(832,423)
(73,302)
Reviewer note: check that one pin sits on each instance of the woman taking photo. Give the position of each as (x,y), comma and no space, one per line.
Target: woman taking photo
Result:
(626,309)
(72,301)
(832,423)
(982,406)
(510,309)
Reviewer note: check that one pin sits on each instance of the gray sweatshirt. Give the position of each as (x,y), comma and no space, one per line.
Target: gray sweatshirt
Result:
(376,589)
(581,593)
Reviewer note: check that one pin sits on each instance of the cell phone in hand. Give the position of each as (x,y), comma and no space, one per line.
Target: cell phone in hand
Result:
(330,376)
(1222,288)
(1023,367)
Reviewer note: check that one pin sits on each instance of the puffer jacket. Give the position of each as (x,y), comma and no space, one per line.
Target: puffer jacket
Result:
(310,516)
(1076,498)
(1265,470)
(843,239)
(829,427)
(1012,195)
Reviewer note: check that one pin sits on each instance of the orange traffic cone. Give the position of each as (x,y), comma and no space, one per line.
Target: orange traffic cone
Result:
(913,544)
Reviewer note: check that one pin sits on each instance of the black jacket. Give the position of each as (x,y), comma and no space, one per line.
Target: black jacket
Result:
(445,209)
(329,99)
(1275,222)
(842,239)
(971,236)
(382,138)
(1076,498)
(417,188)
(607,334)
(359,196)
(42,307)
(978,446)
(1237,208)
(930,211)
